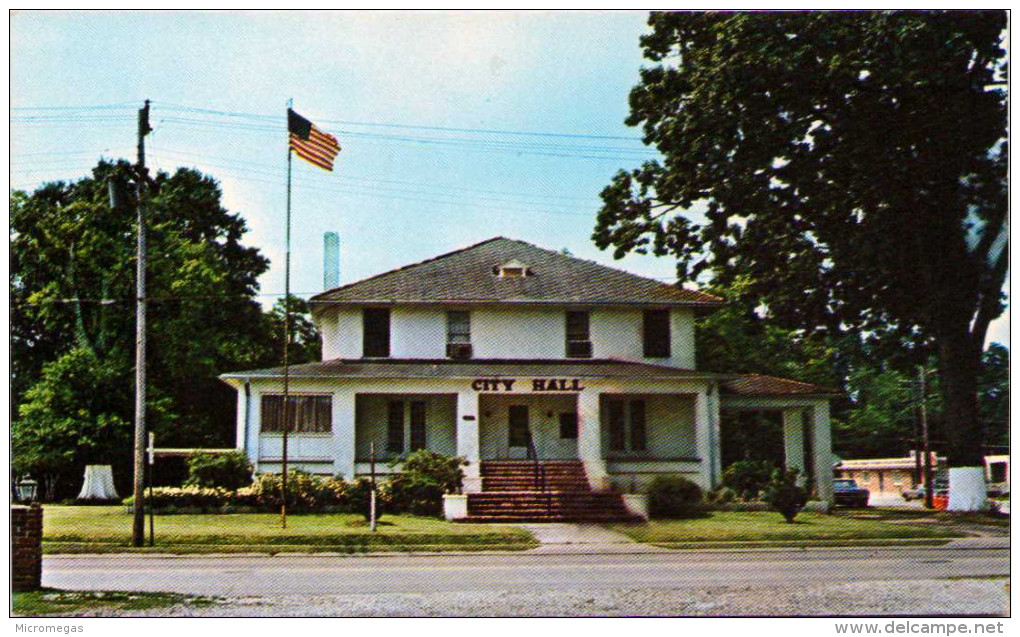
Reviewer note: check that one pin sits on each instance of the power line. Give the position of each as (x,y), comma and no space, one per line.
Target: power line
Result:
(117,105)
(415,187)
(361,178)
(527,148)
(452,129)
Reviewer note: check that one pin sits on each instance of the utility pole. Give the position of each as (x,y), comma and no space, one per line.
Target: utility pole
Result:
(141,178)
(926,440)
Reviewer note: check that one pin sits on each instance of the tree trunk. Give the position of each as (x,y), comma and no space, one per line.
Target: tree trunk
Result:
(959,360)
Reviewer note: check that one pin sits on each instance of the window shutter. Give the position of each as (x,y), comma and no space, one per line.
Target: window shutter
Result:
(395,427)
(617,426)
(638,435)
(418,425)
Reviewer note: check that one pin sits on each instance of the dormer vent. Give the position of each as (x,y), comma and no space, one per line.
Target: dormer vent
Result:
(512,270)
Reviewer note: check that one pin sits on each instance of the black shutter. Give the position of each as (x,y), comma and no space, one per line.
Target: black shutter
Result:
(418,425)
(395,427)
(617,426)
(638,435)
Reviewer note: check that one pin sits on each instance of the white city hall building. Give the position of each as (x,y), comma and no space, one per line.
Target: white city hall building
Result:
(566,385)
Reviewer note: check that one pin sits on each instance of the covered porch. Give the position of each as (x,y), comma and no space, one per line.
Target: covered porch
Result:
(803,413)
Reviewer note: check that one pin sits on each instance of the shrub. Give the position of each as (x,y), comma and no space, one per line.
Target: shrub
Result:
(444,471)
(358,498)
(425,476)
(417,495)
(784,495)
(191,497)
(721,495)
(226,470)
(672,497)
(747,478)
(305,492)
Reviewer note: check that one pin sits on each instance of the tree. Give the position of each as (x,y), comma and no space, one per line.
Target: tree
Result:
(850,167)
(993,395)
(305,344)
(72,294)
(73,417)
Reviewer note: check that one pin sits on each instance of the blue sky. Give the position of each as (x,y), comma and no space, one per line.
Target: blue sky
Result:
(388,85)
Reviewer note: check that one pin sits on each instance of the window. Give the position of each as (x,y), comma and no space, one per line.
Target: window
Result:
(375,332)
(638,440)
(997,471)
(418,425)
(395,426)
(568,425)
(307,414)
(656,333)
(627,417)
(458,334)
(519,433)
(617,426)
(578,337)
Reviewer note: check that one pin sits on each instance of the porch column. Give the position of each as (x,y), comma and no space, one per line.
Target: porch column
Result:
(343,432)
(793,439)
(822,448)
(589,439)
(243,391)
(253,439)
(704,437)
(467,439)
(715,418)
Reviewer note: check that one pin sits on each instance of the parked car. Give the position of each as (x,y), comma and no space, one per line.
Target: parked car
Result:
(845,492)
(917,493)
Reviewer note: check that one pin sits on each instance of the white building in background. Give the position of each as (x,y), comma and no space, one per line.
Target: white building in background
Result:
(511,355)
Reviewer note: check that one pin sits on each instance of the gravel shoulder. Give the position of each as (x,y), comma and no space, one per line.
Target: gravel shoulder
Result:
(978,596)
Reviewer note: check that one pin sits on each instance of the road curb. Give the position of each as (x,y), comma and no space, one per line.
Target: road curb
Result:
(547,550)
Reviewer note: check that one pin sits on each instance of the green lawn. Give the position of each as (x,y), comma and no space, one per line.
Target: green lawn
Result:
(732,527)
(106,529)
(52,602)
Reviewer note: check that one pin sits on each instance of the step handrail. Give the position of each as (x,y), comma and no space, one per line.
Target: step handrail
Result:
(540,479)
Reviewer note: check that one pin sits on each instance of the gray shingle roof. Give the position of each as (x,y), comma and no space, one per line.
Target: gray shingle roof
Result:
(467,276)
(760,385)
(440,368)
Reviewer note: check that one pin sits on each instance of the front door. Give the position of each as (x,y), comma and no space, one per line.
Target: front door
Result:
(519,429)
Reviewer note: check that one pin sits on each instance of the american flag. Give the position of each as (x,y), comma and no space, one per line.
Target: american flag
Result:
(310,143)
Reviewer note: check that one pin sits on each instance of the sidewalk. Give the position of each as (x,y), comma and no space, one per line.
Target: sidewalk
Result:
(985,542)
(560,538)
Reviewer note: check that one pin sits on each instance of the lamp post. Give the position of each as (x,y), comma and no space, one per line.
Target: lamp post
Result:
(27,489)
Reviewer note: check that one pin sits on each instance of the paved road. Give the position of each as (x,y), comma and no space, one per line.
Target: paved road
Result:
(261,576)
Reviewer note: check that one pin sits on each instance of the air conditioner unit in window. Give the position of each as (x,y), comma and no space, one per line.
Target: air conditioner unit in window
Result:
(579,349)
(458,351)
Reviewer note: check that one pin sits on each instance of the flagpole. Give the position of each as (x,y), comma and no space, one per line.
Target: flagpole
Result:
(286,339)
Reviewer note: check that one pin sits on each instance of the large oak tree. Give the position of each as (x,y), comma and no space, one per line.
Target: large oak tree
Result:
(850,168)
